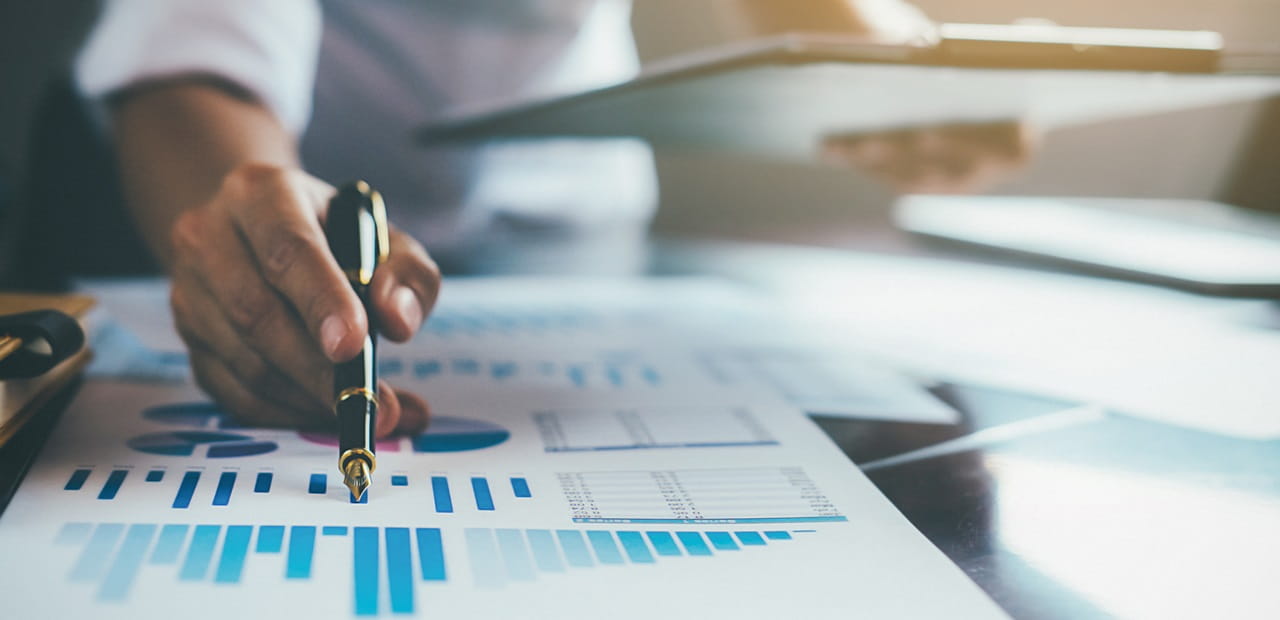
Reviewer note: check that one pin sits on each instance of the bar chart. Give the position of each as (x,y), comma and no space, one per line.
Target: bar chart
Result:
(635,429)
(605,372)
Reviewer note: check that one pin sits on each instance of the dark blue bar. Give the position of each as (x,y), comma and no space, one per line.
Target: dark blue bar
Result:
(399,570)
(199,553)
(319,483)
(633,544)
(155,475)
(186,489)
(693,543)
(334,530)
(606,551)
(722,541)
(77,479)
(115,587)
(520,487)
(431,554)
(663,543)
(364,499)
(234,548)
(480,487)
(270,539)
(263,482)
(302,545)
(170,544)
(778,535)
(750,538)
(96,552)
(399,481)
(366,571)
(112,486)
(226,482)
(440,488)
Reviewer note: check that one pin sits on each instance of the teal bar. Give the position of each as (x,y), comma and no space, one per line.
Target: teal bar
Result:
(515,555)
(545,555)
(196,566)
(606,550)
(94,556)
(486,567)
(234,548)
(400,570)
(334,530)
(302,545)
(169,547)
(270,539)
(693,543)
(128,560)
(663,543)
(431,554)
(778,535)
(722,541)
(318,484)
(575,548)
(399,481)
(72,533)
(365,565)
(750,539)
(633,544)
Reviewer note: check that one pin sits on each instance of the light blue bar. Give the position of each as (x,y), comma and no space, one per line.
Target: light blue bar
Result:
(778,535)
(366,571)
(334,530)
(545,555)
(263,483)
(722,541)
(302,545)
(196,566)
(399,481)
(128,560)
(112,486)
(186,489)
(606,550)
(486,568)
(515,555)
(718,521)
(751,539)
(431,554)
(520,487)
(270,539)
(72,533)
(96,552)
(633,544)
(234,548)
(480,488)
(226,483)
(318,485)
(400,570)
(169,547)
(575,548)
(663,543)
(440,489)
(693,543)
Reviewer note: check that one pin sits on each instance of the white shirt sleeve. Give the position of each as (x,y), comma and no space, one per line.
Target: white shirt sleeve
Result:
(268,47)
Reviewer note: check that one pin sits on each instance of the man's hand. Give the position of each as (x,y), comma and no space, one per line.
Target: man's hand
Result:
(266,311)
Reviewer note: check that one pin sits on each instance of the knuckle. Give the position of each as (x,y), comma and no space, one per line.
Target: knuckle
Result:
(185,237)
(252,311)
(286,249)
(253,178)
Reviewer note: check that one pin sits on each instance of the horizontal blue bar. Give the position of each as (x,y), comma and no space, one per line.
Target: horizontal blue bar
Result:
(262,484)
(270,539)
(334,530)
(693,543)
(113,483)
(93,558)
(663,543)
(486,567)
(302,544)
(722,541)
(778,535)
(155,475)
(234,548)
(431,554)
(716,521)
(186,489)
(480,487)
(749,538)
(399,569)
(77,479)
(115,587)
(365,566)
(575,548)
(196,566)
(637,551)
(544,551)
(319,484)
(606,550)
(226,483)
(399,481)
(72,533)
(440,490)
(520,487)
(169,546)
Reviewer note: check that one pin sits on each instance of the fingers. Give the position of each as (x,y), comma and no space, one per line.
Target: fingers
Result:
(404,288)
(219,381)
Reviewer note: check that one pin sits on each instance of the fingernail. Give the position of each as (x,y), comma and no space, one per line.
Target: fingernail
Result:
(407,305)
(332,331)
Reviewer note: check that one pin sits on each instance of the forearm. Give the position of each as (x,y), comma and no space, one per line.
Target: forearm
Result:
(177,140)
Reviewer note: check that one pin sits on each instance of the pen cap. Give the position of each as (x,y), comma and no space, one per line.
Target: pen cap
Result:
(356,227)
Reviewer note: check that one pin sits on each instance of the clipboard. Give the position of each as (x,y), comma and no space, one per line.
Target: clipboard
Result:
(781,96)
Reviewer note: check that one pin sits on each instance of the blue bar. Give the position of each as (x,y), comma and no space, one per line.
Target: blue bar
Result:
(633,544)
(615,375)
(226,482)
(77,479)
(170,544)
(515,555)
(577,376)
(270,539)
(112,486)
(431,554)
(399,481)
(334,530)
(722,541)
(199,553)
(234,548)
(520,487)
(722,521)
(606,550)
(480,487)
(651,375)
(440,488)
(545,555)
(263,482)
(486,568)
(778,535)
(750,538)
(366,571)
(302,544)
(155,475)
(94,556)
(128,560)
(186,489)
(72,533)
(319,483)
(663,543)
(364,499)
(693,543)
(575,549)
(400,570)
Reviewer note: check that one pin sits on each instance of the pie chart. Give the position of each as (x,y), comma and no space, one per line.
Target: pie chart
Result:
(217,445)
(445,434)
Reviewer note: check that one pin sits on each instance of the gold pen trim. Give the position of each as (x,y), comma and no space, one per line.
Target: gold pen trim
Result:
(359,275)
(352,392)
(380,222)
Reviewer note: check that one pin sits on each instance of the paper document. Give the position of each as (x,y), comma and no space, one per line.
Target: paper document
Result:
(578,465)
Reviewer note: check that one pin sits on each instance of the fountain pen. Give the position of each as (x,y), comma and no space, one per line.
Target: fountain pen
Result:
(356,228)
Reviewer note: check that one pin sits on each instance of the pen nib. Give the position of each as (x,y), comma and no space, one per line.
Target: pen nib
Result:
(356,477)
